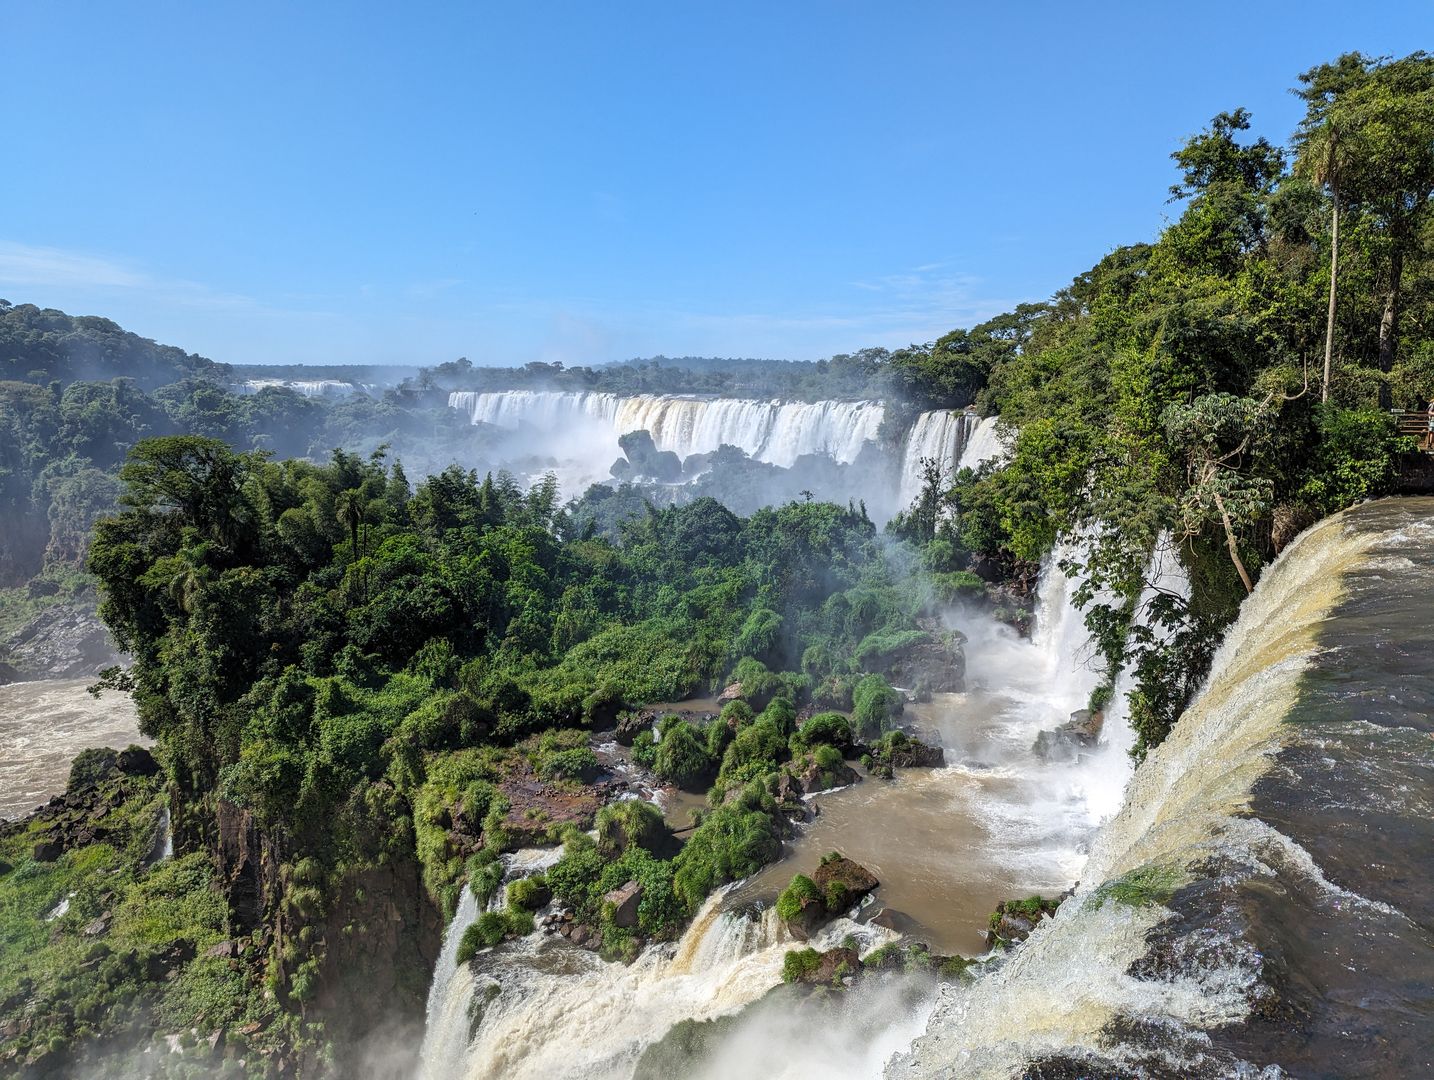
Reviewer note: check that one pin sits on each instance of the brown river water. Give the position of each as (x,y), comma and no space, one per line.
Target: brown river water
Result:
(43,725)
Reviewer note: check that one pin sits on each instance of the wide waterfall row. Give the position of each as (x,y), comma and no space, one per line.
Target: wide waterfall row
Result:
(772,431)
(309,388)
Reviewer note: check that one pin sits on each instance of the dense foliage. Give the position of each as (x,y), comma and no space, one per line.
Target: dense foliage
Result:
(361,664)
(1181,387)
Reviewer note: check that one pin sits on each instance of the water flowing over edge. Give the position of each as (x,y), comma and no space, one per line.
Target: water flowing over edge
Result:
(1072,978)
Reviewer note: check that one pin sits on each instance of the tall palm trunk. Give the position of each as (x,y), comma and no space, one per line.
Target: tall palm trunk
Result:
(1333,279)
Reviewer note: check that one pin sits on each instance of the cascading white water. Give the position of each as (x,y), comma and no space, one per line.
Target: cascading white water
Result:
(1183,806)
(446,1030)
(309,388)
(543,1008)
(940,436)
(983,445)
(1112,768)
(772,431)
(164,839)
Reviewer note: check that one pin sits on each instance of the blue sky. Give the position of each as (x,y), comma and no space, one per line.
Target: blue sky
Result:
(583,182)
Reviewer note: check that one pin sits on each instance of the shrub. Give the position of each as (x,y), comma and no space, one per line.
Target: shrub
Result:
(735,714)
(529,893)
(485,874)
(801,892)
(492,928)
(578,764)
(758,684)
(758,749)
(781,714)
(835,691)
(682,759)
(827,727)
(644,749)
(799,963)
(874,704)
(718,737)
(730,843)
(957,587)
(630,823)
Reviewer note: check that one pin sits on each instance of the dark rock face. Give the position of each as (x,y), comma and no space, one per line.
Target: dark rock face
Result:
(935,663)
(1080,732)
(843,882)
(646,460)
(836,965)
(248,865)
(630,724)
(624,901)
(915,754)
(813,777)
(63,642)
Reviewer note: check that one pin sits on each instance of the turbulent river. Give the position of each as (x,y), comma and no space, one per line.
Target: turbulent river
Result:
(43,725)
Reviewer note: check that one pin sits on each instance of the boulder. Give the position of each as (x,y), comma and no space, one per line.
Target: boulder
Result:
(47,850)
(935,662)
(843,882)
(789,788)
(814,778)
(1080,732)
(834,966)
(624,901)
(136,761)
(732,692)
(1013,920)
(630,724)
(891,919)
(915,754)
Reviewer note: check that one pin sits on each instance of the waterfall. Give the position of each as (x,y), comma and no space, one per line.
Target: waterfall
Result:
(446,1030)
(1111,769)
(983,445)
(772,431)
(940,436)
(1114,985)
(309,388)
(163,847)
(541,1007)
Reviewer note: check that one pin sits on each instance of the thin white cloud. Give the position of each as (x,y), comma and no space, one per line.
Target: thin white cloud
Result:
(26,266)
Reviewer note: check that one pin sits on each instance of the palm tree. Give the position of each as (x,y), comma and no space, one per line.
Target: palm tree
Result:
(350,508)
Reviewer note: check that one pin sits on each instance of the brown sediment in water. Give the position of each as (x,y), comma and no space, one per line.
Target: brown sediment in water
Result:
(923,837)
(43,725)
